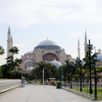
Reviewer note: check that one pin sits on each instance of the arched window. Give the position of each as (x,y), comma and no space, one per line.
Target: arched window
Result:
(50,57)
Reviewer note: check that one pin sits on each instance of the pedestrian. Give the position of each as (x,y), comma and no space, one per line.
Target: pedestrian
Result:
(22,81)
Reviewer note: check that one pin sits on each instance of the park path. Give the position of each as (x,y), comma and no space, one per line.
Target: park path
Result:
(40,93)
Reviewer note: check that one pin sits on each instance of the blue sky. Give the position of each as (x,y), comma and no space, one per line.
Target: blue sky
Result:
(61,21)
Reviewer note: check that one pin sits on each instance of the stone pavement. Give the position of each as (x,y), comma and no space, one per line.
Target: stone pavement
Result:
(40,93)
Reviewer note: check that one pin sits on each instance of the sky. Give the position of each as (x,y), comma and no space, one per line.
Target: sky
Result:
(62,21)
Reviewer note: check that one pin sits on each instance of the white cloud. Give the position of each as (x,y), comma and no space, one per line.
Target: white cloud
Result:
(96,36)
(64,19)
(20,45)
(27,12)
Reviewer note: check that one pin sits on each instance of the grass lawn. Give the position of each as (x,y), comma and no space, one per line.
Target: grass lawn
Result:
(99,93)
(86,90)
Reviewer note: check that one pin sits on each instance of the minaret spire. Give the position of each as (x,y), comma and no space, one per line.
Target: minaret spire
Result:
(85,37)
(9,31)
(78,48)
(85,44)
(9,42)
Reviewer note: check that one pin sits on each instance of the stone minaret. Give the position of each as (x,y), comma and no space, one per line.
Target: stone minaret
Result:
(78,49)
(85,44)
(9,42)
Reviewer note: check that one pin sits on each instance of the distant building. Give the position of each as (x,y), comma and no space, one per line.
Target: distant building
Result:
(99,58)
(47,51)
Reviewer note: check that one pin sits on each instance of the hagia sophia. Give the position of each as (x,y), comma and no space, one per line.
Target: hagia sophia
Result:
(47,51)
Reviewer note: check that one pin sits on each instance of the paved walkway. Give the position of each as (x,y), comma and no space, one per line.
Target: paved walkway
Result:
(40,93)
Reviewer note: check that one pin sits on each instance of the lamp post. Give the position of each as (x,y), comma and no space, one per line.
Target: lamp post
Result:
(95,74)
(89,55)
(72,65)
(95,78)
(43,75)
(62,76)
(80,75)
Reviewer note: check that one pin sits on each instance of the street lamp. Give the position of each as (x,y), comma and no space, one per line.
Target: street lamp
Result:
(62,76)
(92,64)
(89,56)
(80,72)
(43,75)
(72,63)
(95,78)
(95,74)
(80,75)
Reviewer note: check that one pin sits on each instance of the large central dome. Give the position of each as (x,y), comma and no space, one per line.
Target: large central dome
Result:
(47,44)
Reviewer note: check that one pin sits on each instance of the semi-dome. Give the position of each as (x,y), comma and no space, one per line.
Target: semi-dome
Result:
(99,55)
(29,65)
(47,44)
(56,63)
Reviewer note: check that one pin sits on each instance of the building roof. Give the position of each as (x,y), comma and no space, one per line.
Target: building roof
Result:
(47,44)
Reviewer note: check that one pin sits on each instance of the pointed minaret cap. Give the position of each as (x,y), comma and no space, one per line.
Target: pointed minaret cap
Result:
(9,31)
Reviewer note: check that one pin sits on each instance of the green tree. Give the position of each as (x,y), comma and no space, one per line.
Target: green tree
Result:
(14,50)
(50,71)
(66,70)
(69,70)
(1,53)
(11,68)
(1,50)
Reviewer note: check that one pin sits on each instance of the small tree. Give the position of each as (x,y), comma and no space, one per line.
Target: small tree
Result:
(14,50)
(13,63)
(1,50)
(1,53)
(50,71)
